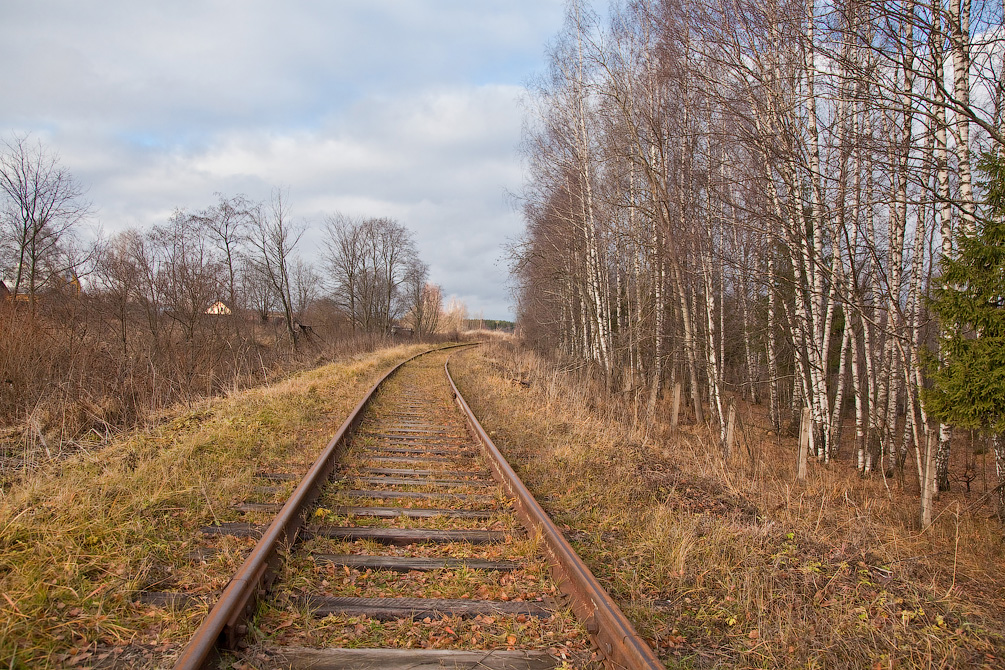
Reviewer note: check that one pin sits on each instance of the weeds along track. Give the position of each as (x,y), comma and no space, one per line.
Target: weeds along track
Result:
(410,543)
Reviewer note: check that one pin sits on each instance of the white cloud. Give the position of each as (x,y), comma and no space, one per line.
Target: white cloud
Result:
(439,162)
(402,108)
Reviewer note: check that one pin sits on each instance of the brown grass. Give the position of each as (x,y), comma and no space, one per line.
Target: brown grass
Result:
(282,622)
(79,538)
(69,383)
(732,563)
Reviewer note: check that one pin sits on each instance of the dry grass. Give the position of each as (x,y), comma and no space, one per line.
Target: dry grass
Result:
(282,621)
(80,538)
(731,563)
(560,634)
(69,383)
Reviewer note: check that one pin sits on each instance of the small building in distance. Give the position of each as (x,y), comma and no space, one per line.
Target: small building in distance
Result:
(218,308)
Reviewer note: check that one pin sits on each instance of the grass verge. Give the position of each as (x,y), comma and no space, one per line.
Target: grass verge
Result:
(729,563)
(81,538)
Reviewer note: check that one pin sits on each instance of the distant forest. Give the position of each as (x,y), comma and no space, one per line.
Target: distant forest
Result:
(490,324)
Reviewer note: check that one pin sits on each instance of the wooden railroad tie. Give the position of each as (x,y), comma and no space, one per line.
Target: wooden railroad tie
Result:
(399,536)
(403,536)
(391,609)
(413,513)
(410,659)
(434,451)
(411,472)
(409,563)
(419,495)
(414,458)
(418,481)
(246,507)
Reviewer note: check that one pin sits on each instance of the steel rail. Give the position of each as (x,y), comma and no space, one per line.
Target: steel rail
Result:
(607,625)
(225,623)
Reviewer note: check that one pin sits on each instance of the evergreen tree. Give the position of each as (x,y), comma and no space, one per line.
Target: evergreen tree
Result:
(969,301)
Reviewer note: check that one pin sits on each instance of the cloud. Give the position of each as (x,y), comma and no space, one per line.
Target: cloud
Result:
(245,62)
(402,108)
(439,162)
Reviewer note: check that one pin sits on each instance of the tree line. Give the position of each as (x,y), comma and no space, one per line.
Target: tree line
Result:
(98,333)
(756,198)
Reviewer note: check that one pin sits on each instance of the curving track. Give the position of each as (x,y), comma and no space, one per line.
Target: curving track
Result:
(411,531)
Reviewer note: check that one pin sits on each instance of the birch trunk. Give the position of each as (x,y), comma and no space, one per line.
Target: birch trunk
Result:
(959,44)
(944,208)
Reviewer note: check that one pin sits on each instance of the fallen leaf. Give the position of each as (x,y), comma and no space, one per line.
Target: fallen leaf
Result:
(285,624)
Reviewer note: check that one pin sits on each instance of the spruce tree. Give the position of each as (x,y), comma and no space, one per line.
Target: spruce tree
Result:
(969,301)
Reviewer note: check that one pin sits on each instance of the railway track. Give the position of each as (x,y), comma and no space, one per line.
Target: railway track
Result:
(410,543)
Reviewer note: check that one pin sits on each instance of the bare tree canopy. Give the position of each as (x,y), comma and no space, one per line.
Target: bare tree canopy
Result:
(42,205)
(752,199)
(425,300)
(228,223)
(369,260)
(275,236)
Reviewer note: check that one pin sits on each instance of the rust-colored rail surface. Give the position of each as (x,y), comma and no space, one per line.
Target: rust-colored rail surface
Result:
(406,450)
(614,634)
(225,623)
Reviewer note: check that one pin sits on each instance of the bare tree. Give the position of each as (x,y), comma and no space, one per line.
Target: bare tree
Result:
(119,279)
(715,185)
(42,205)
(369,260)
(228,224)
(455,316)
(306,286)
(432,308)
(344,246)
(425,300)
(392,252)
(190,277)
(274,237)
(256,288)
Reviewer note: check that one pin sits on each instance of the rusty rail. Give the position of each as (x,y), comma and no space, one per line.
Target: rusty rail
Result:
(225,623)
(607,625)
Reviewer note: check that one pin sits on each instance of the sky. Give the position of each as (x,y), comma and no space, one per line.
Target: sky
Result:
(402,108)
